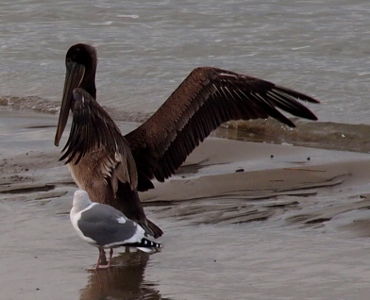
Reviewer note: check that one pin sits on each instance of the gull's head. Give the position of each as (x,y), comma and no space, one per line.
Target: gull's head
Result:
(81,200)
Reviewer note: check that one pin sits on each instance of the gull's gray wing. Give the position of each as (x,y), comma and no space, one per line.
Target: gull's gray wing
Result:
(108,226)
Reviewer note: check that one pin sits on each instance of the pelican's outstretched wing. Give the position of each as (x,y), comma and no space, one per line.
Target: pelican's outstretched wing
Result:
(207,98)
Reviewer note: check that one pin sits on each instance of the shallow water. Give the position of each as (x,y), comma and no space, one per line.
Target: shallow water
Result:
(285,228)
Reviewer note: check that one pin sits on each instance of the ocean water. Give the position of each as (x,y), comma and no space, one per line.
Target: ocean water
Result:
(146,49)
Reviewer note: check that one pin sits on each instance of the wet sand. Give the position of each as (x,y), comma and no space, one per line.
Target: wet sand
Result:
(241,220)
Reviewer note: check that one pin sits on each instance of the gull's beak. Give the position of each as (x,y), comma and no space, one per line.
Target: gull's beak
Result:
(74,75)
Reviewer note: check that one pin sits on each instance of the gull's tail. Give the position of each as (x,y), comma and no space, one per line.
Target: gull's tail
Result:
(146,245)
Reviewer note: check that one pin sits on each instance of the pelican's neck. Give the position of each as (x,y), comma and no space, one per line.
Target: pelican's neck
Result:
(88,83)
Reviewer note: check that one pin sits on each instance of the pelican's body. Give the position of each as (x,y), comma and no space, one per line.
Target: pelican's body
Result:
(112,168)
(101,162)
(95,178)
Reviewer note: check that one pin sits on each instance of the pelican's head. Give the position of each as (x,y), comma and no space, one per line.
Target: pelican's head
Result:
(80,63)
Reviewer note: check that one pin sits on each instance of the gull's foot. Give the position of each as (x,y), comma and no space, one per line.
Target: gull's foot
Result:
(99,267)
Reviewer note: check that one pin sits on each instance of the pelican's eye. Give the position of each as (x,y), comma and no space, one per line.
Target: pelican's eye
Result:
(68,62)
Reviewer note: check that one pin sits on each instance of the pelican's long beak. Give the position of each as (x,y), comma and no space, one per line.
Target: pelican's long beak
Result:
(74,76)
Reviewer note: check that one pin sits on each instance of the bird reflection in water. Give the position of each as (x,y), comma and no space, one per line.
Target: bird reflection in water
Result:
(125,280)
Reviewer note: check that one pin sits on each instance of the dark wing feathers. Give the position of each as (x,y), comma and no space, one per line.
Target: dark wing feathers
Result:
(91,128)
(207,98)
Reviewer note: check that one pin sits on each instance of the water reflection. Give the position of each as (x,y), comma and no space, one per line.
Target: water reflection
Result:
(125,280)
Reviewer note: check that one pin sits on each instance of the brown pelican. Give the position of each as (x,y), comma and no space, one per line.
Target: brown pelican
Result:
(112,168)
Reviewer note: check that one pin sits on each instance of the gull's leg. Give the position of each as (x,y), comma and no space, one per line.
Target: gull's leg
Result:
(110,257)
(110,260)
(103,259)
(101,253)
